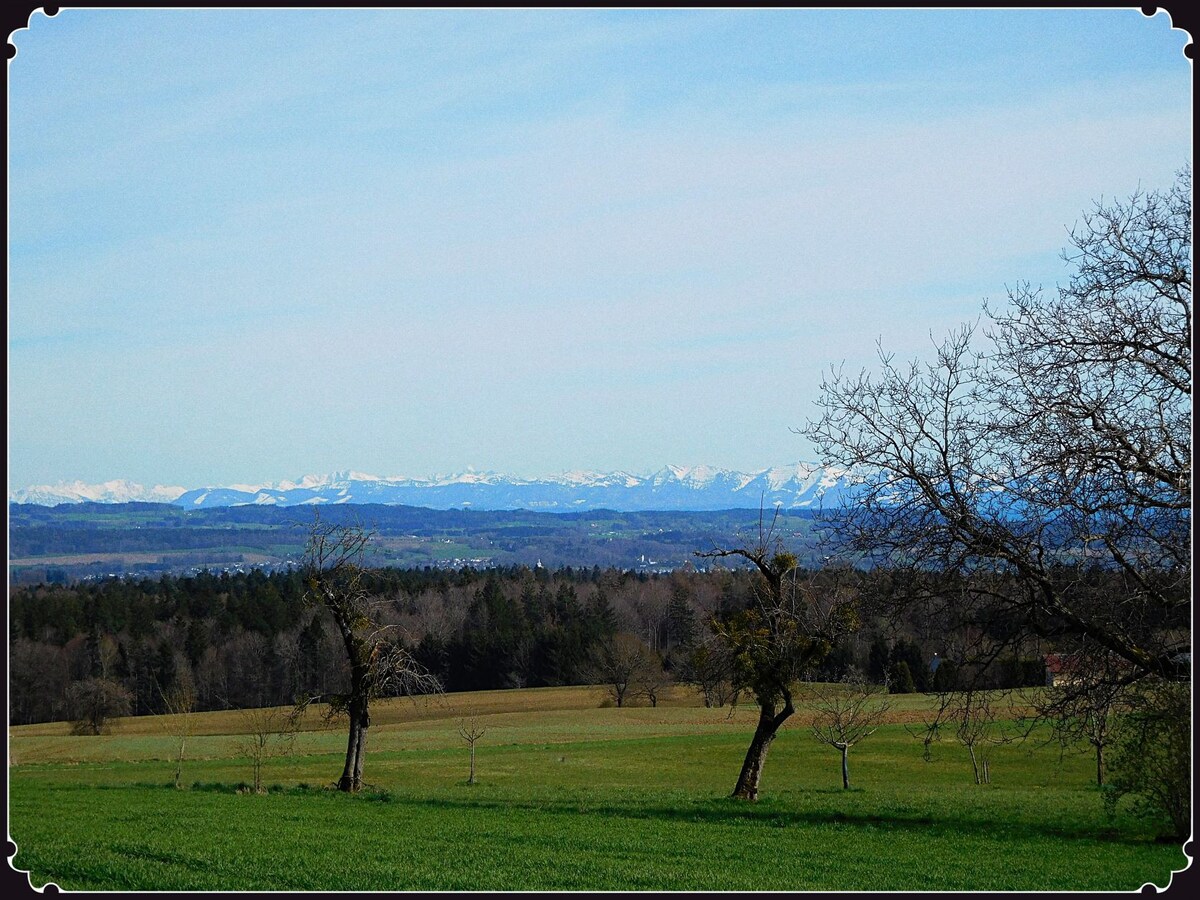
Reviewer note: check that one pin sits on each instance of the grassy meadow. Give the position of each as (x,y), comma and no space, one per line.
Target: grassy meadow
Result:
(572,794)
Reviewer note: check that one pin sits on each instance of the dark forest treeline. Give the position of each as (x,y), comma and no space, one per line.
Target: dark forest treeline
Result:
(247,639)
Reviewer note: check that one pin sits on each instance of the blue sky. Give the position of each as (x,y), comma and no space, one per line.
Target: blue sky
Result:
(249,245)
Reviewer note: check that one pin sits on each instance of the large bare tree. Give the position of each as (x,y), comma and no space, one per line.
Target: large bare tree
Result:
(1062,445)
(1044,462)
(379,664)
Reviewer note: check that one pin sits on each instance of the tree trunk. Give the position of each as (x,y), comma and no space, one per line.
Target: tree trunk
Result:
(179,763)
(768,726)
(346,782)
(356,743)
(974,763)
(360,757)
(845,748)
(471,780)
(1099,765)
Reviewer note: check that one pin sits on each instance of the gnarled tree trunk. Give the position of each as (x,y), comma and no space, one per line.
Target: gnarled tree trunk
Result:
(769,722)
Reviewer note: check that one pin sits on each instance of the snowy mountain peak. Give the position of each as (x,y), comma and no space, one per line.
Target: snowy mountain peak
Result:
(117,491)
(698,487)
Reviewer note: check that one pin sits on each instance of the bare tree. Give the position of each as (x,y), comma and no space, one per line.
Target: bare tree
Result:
(179,701)
(108,652)
(789,626)
(708,665)
(471,731)
(1083,710)
(379,664)
(268,731)
(976,720)
(649,608)
(1059,450)
(653,680)
(846,713)
(94,703)
(623,662)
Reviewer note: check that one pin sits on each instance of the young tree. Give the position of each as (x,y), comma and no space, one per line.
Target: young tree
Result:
(975,719)
(789,626)
(268,732)
(1084,711)
(379,664)
(179,701)
(471,731)
(846,713)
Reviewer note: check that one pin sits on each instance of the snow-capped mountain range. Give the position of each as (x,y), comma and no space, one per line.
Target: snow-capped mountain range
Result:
(798,486)
(108,492)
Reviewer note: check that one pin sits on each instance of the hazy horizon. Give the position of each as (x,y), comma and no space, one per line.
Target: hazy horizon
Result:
(250,245)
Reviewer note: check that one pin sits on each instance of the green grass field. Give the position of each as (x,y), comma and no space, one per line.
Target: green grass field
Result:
(571,796)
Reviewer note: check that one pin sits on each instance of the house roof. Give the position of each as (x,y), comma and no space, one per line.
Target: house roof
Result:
(1057,665)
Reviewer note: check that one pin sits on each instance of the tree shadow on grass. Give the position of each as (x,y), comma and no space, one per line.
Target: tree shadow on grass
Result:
(725,811)
(728,811)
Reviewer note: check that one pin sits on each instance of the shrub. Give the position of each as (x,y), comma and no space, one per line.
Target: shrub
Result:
(901,681)
(1151,756)
(946,676)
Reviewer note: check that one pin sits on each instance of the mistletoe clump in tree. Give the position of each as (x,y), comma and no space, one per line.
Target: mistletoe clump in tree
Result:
(791,623)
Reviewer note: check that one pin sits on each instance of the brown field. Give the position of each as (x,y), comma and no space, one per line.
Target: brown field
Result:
(398,711)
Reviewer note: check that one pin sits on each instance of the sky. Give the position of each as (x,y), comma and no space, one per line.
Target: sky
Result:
(247,245)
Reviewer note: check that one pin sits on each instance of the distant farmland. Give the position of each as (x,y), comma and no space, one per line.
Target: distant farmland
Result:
(68,542)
